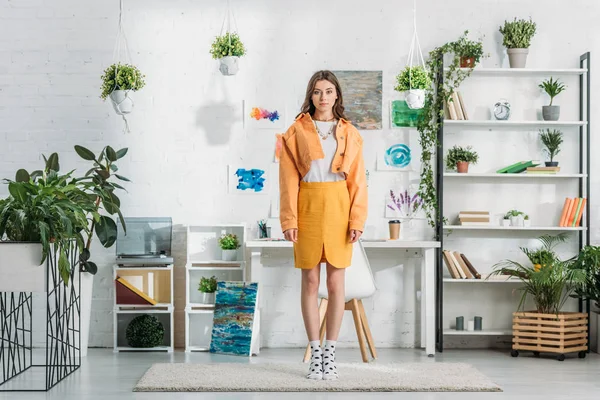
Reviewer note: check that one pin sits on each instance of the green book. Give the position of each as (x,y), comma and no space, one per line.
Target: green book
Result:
(505,169)
(523,166)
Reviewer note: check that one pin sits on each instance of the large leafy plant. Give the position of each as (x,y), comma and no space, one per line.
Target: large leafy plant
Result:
(412,78)
(121,77)
(588,261)
(49,208)
(518,33)
(432,116)
(458,153)
(226,45)
(549,280)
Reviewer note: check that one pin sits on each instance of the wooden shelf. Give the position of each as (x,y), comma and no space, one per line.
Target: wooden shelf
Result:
(511,176)
(509,123)
(485,332)
(512,228)
(523,71)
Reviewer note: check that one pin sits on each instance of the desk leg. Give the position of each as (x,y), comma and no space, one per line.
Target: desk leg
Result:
(255,269)
(428,298)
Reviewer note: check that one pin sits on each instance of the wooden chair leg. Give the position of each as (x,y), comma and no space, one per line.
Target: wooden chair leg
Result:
(365,323)
(322,312)
(359,328)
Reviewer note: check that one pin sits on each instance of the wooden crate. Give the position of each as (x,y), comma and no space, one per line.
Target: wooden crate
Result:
(566,332)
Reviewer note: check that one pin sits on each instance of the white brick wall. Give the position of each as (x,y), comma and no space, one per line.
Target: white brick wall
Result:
(182,135)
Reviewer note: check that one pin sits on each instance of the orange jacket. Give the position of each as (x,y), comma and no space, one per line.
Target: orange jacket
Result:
(300,146)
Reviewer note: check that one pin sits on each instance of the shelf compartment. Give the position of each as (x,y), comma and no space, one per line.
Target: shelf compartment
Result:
(122,320)
(154,282)
(203,245)
(483,281)
(523,71)
(199,330)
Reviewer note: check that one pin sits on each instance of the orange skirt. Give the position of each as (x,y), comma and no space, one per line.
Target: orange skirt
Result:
(323,214)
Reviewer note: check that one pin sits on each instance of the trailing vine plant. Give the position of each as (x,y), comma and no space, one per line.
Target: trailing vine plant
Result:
(433,113)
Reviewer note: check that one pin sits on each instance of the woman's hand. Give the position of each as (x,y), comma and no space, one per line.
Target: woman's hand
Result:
(354,235)
(291,235)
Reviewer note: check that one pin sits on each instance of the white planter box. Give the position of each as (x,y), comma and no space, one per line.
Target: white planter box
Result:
(20,269)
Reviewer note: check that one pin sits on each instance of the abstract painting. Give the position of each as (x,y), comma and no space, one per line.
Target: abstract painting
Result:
(235,320)
(401,116)
(247,180)
(264,115)
(362,91)
(396,157)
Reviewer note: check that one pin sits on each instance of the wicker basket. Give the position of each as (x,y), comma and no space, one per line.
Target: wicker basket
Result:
(566,332)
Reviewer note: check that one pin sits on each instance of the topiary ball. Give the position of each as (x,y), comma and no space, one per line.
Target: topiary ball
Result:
(145,331)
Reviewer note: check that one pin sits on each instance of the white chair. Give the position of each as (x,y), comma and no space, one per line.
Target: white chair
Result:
(359,285)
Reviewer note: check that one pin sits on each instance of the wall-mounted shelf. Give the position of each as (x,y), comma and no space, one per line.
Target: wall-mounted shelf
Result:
(484,332)
(474,175)
(510,124)
(483,281)
(523,71)
(512,228)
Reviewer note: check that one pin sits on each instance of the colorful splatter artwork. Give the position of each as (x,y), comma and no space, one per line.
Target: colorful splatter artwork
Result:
(250,179)
(401,116)
(362,91)
(234,322)
(260,113)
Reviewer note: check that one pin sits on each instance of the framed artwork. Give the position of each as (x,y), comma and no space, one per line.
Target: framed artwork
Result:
(401,116)
(395,157)
(362,91)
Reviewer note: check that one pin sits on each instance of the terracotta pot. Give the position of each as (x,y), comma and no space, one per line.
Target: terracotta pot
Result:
(467,62)
(462,167)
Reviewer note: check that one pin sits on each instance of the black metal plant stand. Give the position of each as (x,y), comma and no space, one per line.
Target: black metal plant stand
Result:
(63,342)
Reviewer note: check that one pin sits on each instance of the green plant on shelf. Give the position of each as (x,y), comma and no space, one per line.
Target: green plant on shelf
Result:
(457,154)
(208,285)
(513,213)
(517,34)
(467,48)
(552,139)
(229,241)
(552,87)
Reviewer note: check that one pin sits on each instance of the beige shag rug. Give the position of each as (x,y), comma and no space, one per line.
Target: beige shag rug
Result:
(238,377)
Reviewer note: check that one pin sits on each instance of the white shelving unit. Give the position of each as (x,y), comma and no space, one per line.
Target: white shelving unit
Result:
(204,260)
(575,130)
(157,283)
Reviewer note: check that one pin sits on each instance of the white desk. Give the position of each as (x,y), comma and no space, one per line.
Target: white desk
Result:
(427,276)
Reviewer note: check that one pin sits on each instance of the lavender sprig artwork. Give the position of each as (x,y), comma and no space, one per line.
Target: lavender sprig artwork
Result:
(404,204)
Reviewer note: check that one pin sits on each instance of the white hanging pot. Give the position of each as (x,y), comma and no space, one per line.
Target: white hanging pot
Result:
(122,101)
(415,98)
(229,65)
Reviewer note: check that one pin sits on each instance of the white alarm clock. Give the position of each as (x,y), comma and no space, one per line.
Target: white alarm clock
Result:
(502,110)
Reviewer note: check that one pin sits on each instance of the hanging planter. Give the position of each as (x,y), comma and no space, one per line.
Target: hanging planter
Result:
(118,81)
(227,47)
(413,81)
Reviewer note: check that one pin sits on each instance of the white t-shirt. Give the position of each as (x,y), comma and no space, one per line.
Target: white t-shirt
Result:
(320,170)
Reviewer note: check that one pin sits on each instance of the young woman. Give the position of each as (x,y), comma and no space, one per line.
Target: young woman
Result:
(323,207)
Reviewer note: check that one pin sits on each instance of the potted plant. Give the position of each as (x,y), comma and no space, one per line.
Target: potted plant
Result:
(413,81)
(469,51)
(229,243)
(552,139)
(517,39)
(506,220)
(526,221)
(118,81)
(588,260)
(549,283)
(516,217)
(228,48)
(459,158)
(553,88)
(208,287)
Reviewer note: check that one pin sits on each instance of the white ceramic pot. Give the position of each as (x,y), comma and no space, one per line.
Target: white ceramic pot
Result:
(506,222)
(526,223)
(516,221)
(207,298)
(517,58)
(229,255)
(415,98)
(121,101)
(20,268)
(229,65)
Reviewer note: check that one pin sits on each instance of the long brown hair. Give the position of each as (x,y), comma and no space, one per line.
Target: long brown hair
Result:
(338,106)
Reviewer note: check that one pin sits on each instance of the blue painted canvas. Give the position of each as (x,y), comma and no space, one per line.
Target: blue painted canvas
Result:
(235,318)
(250,179)
(398,156)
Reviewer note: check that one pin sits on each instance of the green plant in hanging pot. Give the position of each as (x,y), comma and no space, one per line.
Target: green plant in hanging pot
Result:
(552,139)
(553,88)
(469,51)
(228,48)
(208,287)
(118,81)
(458,158)
(413,82)
(517,39)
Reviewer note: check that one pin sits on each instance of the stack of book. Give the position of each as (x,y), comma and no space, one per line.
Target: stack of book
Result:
(543,170)
(459,266)
(572,211)
(474,217)
(455,109)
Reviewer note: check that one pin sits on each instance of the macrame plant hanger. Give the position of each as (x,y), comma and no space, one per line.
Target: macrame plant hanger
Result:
(415,99)
(228,69)
(120,102)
